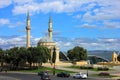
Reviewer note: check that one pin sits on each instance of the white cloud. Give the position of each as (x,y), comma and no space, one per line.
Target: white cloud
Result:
(112,24)
(5,3)
(87,26)
(12,25)
(22,1)
(67,44)
(4,21)
(93,10)
(22,9)
(45,6)
(78,16)
(110,40)
(9,24)
(89,44)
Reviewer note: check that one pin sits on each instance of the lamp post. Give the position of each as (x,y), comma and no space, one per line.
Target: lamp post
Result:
(88,62)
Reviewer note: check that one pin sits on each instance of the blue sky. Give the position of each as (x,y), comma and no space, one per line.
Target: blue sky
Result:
(92,24)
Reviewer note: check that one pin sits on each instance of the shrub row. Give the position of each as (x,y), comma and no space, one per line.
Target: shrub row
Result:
(86,67)
(104,74)
(102,69)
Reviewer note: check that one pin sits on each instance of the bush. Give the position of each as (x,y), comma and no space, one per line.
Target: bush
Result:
(86,67)
(102,68)
(104,74)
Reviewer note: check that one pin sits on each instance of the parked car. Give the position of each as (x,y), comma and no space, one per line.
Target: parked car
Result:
(63,74)
(41,73)
(80,75)
(45,77)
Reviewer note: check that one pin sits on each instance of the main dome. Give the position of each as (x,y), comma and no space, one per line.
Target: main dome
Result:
(46,39)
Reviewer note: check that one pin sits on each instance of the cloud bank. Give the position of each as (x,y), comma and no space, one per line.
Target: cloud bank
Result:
(64,43)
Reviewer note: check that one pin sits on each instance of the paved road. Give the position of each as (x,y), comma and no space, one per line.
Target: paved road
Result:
(34,76)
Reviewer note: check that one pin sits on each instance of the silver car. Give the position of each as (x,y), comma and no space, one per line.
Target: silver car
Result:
(80,75)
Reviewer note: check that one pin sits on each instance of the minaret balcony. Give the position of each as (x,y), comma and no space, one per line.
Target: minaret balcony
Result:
(50,30)
(27,28)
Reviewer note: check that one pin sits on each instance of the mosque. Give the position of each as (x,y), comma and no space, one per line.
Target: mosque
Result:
(48,42)
(45,41)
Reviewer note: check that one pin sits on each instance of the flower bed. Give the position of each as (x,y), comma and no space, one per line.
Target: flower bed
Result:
(104,74)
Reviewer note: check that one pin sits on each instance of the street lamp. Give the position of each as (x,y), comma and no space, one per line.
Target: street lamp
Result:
(88,62)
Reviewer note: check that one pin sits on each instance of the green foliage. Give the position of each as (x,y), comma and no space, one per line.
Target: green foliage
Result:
(104,74)
(54,56)
(50,70)
(38,54)
(18,56)
(86,67)
(1,57)
(77,54)
(102,69)
(118,58)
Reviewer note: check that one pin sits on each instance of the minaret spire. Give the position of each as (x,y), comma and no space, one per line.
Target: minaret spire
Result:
(50,27)
(28,16)
(28,30)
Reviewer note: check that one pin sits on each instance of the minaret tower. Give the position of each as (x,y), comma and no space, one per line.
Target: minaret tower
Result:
(28,31)
(50,28)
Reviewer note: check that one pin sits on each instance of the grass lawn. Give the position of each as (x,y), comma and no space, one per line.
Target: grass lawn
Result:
(97,75)
(50,70)
(78,67)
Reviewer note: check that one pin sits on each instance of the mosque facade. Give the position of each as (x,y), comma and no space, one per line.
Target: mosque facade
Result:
(46,41)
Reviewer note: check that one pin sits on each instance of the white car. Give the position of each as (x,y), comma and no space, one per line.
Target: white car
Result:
(80,75)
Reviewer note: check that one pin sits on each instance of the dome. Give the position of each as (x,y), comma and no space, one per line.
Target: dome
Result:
(46,39)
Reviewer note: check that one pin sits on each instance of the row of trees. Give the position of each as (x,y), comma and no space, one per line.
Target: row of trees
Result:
(18,56)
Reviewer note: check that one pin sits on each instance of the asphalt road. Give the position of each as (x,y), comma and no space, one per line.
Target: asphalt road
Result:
(22,76)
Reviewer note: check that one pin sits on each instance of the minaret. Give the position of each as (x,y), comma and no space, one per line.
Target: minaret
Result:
(50,28)
(28,30)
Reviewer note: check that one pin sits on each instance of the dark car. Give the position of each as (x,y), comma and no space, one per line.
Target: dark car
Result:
(63,74)
(42,73)
(45,77)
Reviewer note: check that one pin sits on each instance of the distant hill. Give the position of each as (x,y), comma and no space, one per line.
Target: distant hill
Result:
(102,53)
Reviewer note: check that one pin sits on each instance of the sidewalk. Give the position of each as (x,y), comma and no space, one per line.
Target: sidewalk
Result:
(7,78)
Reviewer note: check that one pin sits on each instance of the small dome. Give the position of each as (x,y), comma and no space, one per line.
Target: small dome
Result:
(45,39)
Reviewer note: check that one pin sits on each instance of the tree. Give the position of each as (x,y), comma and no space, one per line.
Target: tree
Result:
(118,58)
(1,57)
(43,54)
(38,55)
(23,56)
(54,56)
(54,59)
(30,56)
(77,54)
(17,57)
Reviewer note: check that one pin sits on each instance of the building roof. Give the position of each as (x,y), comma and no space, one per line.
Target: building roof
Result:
(45,39)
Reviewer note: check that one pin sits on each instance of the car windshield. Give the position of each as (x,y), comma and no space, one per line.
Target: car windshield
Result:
(46,75)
